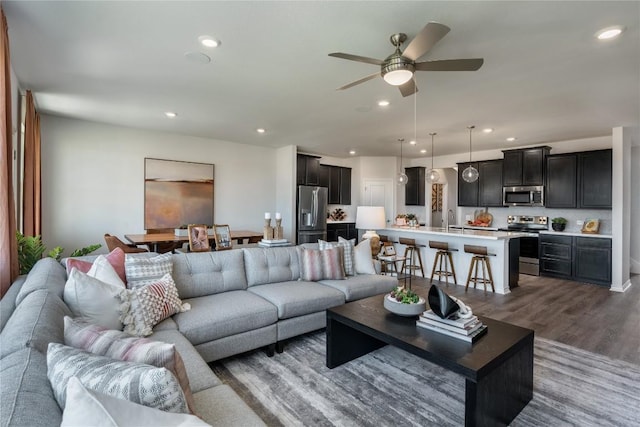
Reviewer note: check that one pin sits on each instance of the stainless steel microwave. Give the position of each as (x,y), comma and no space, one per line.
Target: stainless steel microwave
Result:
(523,196)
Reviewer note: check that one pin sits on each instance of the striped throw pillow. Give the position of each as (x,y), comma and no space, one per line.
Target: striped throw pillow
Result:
(347,251)
(321,264)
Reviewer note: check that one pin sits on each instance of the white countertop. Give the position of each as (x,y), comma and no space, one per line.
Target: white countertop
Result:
(459,232)
(568,233)
(344,221)
(474,227)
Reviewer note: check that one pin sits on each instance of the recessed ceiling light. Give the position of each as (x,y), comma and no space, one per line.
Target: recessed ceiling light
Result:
(171,114)
(423,151)
(208,41)
(261,130)
(609,32)
(487,130)
(352,152)
(383,103)
(412,142)
(511,139)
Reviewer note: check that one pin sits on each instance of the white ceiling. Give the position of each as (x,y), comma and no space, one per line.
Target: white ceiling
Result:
(545,77)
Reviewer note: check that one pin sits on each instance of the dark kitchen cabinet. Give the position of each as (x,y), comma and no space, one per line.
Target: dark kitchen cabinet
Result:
(561,181)
(592,260)
(346,230)
(338,180)
(308,170)
(467,191)
(595,179)
(490,183)
(524,167)
(584,259)
(415,188)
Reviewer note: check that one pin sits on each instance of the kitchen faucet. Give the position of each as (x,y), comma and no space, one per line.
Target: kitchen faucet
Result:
(450,217)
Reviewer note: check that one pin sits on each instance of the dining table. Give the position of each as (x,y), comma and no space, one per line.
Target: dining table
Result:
(153,240)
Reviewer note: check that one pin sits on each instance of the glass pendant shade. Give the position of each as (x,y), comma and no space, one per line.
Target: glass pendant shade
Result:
(470,174)
(433,176)
(402,178)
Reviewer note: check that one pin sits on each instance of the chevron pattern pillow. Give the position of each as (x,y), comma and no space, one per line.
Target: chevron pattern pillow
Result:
(141,270)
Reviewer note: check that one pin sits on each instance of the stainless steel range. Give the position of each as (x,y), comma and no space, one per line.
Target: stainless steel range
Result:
(532,225)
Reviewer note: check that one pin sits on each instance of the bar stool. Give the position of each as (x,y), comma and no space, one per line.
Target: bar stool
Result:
(480,255)
(442,255)
(410,251)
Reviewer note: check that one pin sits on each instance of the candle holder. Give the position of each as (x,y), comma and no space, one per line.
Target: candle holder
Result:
(267,230)
(277,230)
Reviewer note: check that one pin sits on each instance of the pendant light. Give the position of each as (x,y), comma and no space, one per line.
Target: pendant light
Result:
(402,177)
(470,174)
(432,175)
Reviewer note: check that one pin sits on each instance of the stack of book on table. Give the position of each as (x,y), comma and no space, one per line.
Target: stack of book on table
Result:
(465,329)
(273,243)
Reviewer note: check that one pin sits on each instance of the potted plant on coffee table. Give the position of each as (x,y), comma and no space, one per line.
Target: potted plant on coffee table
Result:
(559,223)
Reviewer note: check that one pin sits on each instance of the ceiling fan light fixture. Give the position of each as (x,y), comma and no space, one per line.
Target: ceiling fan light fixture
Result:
(397,77)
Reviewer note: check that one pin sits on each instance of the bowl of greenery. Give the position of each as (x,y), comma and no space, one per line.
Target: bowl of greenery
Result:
(404,302)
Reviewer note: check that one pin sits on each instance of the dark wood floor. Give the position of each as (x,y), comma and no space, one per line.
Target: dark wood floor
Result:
(581,315)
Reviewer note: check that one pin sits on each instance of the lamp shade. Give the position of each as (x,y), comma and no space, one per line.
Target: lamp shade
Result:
(370,217)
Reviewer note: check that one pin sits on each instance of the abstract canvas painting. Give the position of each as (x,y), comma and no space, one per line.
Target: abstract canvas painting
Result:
(177,193)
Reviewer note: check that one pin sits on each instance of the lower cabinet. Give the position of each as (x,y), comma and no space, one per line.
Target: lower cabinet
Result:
(346,230)
(584,259)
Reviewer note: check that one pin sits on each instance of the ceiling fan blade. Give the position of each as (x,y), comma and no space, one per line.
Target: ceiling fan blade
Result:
(357,82)
(409,88)
(471,64)
(356,58)
(422,43)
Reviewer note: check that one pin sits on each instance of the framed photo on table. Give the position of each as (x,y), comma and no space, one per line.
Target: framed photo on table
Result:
(389,250)
(222,236)
(198,238)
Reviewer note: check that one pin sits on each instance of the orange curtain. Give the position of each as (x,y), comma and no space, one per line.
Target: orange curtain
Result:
(8,244)
(32,213)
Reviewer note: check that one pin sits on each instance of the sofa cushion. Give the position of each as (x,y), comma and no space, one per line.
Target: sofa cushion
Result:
(205,273)
(8,301)
(363,286)
(122,346)
(84,404)
(271,265)
(216,316)
(222,407)
(143,270)
(318,264)
(26,397)
(137,382)
(145,306)
(200,375)
(46,274)
(94,299)
(297,298)
(115,259)
(37,321)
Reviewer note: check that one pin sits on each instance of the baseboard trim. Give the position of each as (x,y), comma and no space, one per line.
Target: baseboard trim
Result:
(625,287)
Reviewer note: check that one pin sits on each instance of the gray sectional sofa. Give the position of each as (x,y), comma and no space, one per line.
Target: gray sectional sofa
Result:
(241,300)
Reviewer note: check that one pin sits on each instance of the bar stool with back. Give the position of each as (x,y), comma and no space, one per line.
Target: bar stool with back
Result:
(410,252)
(480,255)
(443,255)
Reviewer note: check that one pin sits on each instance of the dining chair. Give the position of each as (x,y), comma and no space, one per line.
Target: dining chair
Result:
(113,242)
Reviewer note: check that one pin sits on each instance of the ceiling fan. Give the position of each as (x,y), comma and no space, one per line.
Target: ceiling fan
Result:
(398,68)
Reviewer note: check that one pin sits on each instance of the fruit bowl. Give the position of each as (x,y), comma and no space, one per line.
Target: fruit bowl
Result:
(409,303)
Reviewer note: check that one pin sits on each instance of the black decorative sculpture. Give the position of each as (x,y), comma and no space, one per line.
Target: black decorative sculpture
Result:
(445,306)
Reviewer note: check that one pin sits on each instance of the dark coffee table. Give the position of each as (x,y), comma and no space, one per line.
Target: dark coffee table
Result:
(498,368)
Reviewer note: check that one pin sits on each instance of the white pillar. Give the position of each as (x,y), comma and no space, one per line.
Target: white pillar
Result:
(622,140)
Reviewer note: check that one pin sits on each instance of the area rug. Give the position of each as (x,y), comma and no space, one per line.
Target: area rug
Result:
(390,387)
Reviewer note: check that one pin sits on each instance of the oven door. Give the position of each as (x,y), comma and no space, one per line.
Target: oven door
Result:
(529,259)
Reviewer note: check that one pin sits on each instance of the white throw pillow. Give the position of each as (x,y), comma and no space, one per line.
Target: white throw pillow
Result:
(104,271)
(363,259)
(93,299)
(85,405)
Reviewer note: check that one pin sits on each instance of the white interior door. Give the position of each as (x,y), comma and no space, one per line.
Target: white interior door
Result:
(379,192)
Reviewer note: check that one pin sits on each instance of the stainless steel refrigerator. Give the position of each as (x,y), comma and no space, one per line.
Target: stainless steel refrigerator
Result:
(312,214)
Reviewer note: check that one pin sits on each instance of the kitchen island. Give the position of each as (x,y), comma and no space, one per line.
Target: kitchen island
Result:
(505,245)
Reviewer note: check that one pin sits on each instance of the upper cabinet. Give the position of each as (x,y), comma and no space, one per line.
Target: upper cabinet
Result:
(579,180)
(308,170)
(467,191)
(414,191)
(338,180)
(486,191)
(524,166)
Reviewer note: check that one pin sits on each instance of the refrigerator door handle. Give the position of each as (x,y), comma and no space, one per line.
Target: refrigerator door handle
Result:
(314,203)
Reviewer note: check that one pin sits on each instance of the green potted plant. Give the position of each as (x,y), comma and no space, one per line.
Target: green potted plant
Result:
(559,223)
(31,250)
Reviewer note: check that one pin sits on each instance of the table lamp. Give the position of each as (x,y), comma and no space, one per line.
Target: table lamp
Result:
(371,218)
